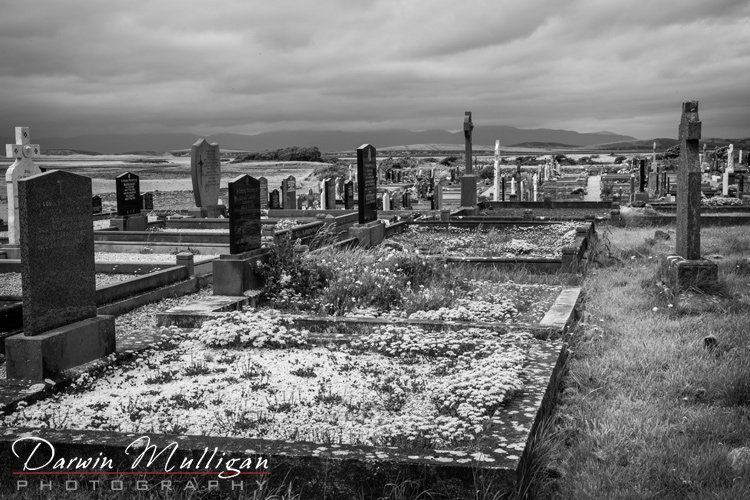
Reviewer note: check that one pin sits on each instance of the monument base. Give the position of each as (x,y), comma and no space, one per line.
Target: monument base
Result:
(640,199)
(368,234)
(469,190)
(135,222)
(695,273)
(46,355)
(233,274)
(209,212)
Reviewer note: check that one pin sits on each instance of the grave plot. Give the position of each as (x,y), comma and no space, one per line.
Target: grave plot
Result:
(389,282)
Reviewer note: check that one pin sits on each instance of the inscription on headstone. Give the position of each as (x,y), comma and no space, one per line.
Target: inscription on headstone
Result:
(205,167)
(55,216)
(127,187)
(367,176)
(244,214)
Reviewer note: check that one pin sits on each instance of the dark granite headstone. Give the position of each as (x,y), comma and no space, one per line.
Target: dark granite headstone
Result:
(688,244)
(96,204)
(148,201)
(274,202)
(349,195)
(289,192)
(128,192)
(263,193)
(244,214)
(367,175)
(330,194)
(57,250)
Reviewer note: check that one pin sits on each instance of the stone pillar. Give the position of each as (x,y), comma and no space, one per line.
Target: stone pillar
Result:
(497,171)
(469,180)
(689,184)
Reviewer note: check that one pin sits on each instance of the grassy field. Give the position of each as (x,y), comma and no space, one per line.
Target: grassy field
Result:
(656,401)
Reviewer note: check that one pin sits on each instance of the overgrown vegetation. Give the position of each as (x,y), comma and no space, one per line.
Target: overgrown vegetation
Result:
(656,401)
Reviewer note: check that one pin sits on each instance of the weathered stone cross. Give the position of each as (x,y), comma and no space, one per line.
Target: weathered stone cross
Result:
(23,152)
(468,127)
(689,185)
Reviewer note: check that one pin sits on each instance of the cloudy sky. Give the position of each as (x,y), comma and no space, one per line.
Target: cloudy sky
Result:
(90,66)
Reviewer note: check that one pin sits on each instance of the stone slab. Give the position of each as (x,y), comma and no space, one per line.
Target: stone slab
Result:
(244,214)
(47,354)
(692,273)
(369,235)
(205,169)
(562,311)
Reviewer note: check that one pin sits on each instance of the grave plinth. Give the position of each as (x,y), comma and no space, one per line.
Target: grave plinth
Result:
(233,274)
(369,234)
(61,328)
(136,222)
(693,273)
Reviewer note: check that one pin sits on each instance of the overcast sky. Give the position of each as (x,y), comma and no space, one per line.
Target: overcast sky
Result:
(83,66)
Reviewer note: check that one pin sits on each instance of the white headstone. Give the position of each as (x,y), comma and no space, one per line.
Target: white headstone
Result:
(727,171)
(730,158)
(322,194)
(535,181)
(653,158)
(386,201)
(497,171)
(23,152)
(512,186)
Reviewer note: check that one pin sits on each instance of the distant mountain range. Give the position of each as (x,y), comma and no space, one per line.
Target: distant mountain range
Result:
(326,141)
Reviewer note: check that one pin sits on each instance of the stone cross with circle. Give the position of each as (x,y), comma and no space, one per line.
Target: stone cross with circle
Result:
(23,147)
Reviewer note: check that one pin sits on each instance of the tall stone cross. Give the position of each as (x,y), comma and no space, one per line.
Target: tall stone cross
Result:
(468,127)
(689,185)
(653,158)
(24,152)
(730,159)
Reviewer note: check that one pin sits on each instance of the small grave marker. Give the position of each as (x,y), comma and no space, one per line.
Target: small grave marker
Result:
(205,168)
(274,202)
(263,182)
(330,185)
(349,195)
(96,204)
(289,192)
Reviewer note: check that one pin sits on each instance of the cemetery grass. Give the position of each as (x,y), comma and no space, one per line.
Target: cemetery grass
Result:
(645,410)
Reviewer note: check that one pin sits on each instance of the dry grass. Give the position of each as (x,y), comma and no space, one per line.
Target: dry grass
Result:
(645,409)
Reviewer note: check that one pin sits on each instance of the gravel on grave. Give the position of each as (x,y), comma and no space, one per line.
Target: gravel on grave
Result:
(10,283)
(544,241)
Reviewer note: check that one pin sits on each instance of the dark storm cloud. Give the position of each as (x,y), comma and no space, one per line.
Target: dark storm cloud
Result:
(247,66)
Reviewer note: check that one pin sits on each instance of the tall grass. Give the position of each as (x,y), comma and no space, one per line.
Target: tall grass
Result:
(646,411)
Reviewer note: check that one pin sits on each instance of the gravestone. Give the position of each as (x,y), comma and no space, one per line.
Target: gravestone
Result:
(688,267)
(244,214)
(289,192)
(24,153)
(263,183)
(725,181)
(349,195)
(323,190)
(96,204)
(205,167)
(502,197)
(61,328)
(148,201)
(641,197)
(274,202)
(386,201)
(438,196)
(330,194)
(397,201)
(127,187)
(310,199)
(497,171)
(368,185)
(369,231)
(128,195)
